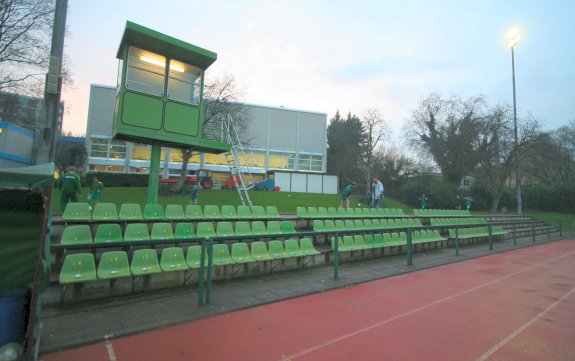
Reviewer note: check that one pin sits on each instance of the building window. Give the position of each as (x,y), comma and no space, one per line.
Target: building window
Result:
(140,151)
(282,160)
(106,148)
(145,72)
(215,159)
(254,159)
(310,162)
(99,148)
(117,150)
(184,82)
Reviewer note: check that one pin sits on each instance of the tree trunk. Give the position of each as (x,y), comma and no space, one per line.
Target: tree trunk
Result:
(495,202)
(186,155)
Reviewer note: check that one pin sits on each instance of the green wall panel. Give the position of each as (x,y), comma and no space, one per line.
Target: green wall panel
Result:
(142,111)
(182,119)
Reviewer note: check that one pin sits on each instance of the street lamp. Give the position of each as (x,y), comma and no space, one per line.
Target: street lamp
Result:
(513,38)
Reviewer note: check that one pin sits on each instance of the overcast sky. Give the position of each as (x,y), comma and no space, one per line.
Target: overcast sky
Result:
(347,55)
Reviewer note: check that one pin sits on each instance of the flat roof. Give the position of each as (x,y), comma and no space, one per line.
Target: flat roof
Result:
(163,44)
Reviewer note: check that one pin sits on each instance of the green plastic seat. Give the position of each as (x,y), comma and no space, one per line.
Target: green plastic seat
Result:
(395,240)
(301,212)
(193,257)
(114,264)
(205,229)
(274,227)
(153,212)
(387,239)
(366,213)
(185,230)
(350,212)
(370,241)
(259,212)
(341,212)
(349,225)
(241,253)
(260,252)
(225,229)
(194,212)
(145,261)
(108,232)
(292,248)
(345,243)
(376,224)
(339,225)
(173,259)
(243,229)
(276,249)
(332,211)
(77,212)
(212,212)
(272,212)
(105,212)
(312,212)
(359,242)
(322,212)
(78,234)
(136,232)
(130,212)
(229,212)
(162,231)
(245,212)
(175,212)
(379,239)
(358,224)
(307,248)
(259,228)
(329,224)
(318,225)
(221,255)
(287,227)
(367,224)
(78,267)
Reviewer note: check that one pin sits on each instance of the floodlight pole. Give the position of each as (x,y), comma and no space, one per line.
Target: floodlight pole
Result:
(517,173)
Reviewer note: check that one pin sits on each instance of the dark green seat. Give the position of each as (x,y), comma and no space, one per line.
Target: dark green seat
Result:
(287,227)
(173,260)
(307,248)
(274,227)
(225,229)
(130,212)
(136,232)
(245,212)
(260,252)
(205,229)
(108,232)
(292,248)
(153,212)
(212,212)
(259,212)
(145,261)
(185,230)
(77,212)
(272,212)
(259,228)
(221,255)
(77,234)
(229,212)
(105,212)
(175,212)
(114,264)
(162,231)
(241,253)
(243,229)
(194,212)
(276,249)
(78,267)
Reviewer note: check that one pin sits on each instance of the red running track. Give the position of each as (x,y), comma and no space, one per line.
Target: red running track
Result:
(518,305)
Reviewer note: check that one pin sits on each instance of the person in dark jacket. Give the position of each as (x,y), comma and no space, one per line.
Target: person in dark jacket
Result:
(70,187)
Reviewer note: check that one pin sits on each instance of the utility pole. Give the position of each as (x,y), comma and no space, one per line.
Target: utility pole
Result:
(45,142)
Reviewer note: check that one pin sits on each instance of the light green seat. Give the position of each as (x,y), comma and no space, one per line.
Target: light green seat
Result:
(241,253)
(259,212)
(376,224)
(287,227)
(260,252)
(274,228)
(341,212)
(145,261)
(245,212)
(301,212)
(225,229)
(322,212)
(77,234)
(212,212)
(194,212)
(185,230)
(395,240)
(292,248)
(272,212)
(130,212)
(370,241)
(136,232)
(78,267)
(105,212)
(358,224)
(350,212)
(374,212)
(193,257)
(205,229)
(229,212)
(329,225)
(332,211)
(349,225)
(173,259)
(417,237)
(153,212)
(175,212)
(243,229)
(367,224)
(312,212)
(221,255)
(387,239)
(366,213)
(339,225)
(259,228)
(359,242)
(345,243)
(108,232)
(318,225)
(307,248)
(276,249)
(162,231)
(77,212)
(114,264)
(403,237)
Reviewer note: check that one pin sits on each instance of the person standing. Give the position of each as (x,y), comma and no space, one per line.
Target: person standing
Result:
(345,195)
(458,205)
(70,187)
(468,201)
(195,193)
(95,192)
(423,201)
(377,193)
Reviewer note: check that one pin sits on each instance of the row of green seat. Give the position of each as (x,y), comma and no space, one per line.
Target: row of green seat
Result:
(363,225)
(438,222)
(368,241)
(332,212)
(81,267)
(441,213)
(112,232)
(474,232)
(105,212)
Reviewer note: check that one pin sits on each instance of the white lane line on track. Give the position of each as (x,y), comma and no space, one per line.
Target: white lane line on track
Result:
(408,313)
(503,342)
(110,348)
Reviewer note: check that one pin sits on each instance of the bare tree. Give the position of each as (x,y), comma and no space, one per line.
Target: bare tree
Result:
(376,131)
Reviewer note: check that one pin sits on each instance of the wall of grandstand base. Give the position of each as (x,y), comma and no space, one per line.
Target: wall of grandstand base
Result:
(513,227)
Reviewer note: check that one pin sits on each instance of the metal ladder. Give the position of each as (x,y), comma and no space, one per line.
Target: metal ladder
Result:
(234,158)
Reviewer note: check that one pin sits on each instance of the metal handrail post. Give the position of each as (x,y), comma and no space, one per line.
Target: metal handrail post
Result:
(201,272)
(560,229)
(209,281)
(336,257)
(515,234)
(409,247)
(490,227)
(457,240)
(533,231)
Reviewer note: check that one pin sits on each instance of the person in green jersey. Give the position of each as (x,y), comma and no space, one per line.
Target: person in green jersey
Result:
(70,187)
(345,195)
(95,192)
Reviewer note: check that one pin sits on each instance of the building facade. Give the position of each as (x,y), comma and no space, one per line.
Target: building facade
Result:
(277,139)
